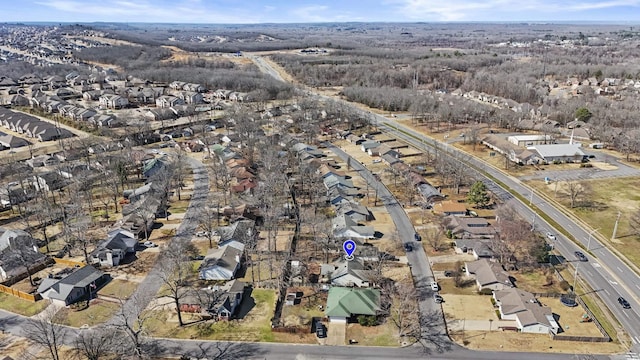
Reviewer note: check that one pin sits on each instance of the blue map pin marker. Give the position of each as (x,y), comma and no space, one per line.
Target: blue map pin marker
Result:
(349,247)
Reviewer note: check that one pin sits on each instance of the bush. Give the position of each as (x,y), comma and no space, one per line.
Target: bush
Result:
(486,291)
(557,162)
(564,285)
(367,320)
(493,302)
(498,314)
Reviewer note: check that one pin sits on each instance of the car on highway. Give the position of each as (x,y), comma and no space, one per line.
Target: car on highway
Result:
(434,286)
(580,256)
(550,236)
(438,298)
(624,303)
(408,247)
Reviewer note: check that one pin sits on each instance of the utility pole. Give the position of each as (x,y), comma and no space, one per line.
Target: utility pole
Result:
(615,227)
(531,198)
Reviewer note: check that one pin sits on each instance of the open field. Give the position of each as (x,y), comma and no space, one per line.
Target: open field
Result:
(602,211)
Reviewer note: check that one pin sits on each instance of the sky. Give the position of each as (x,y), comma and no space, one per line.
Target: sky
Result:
(305,11)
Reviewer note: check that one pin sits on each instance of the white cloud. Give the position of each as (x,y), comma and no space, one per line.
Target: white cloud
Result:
(146,11)
(453,10)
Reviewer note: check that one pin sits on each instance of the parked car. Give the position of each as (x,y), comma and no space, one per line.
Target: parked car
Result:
(437,298)
(202,233)
(550,236)
(149,244)
(448,273)
(321,332)
(199,257)
(624,303)
(581,256)
(434,286)
(417,237)
(408,247)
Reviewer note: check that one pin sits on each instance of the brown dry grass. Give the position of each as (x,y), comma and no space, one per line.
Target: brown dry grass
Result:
(519,342)
(469,307)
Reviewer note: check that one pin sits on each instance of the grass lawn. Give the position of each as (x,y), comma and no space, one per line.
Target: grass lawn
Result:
(179,206)
(447,286)
(254,326)
(97,313)
(381,335)
(608,196)
(20,306)
(537,281)
(120,289)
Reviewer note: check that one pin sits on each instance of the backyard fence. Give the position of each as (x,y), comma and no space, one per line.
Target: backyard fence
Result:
(67,262)
(20,294)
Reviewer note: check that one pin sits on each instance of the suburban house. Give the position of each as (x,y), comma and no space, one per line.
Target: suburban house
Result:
(345,227)
(167,101)
(449,207)
(221,303)
(112,101)
(117,246)
(470,227)
(345,303)
(242,231)
(346,273)
(522,307)
(332,180)
(355,211)
(489,275)
(66,289)
(430,193)
(479,248)
(370,144)
(17,251)
(223,262)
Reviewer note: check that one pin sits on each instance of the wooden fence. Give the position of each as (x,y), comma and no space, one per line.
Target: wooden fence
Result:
(67,262)
(581,338)
(20,294)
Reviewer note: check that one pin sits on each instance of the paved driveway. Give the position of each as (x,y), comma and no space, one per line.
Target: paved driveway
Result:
(336,333)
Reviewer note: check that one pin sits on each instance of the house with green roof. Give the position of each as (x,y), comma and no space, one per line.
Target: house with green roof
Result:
(344,303)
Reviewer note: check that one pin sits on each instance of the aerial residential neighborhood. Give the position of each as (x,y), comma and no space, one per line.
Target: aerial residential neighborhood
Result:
(324,190)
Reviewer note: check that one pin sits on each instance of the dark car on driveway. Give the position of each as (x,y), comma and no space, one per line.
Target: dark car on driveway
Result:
(624,303)
(408,247)
(581,256)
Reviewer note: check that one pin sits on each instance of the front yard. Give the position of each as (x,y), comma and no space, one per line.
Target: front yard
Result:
(98,312)
(254,323)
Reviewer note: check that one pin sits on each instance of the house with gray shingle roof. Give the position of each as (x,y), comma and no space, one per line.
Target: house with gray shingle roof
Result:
(81,283)
(222,263)
(489,275)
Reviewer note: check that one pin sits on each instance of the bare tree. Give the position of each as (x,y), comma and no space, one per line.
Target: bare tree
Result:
(44,331)
(132,321)
(404,308)
(97,343)
(433,236)
(576,190)
(209,221)
(175,269)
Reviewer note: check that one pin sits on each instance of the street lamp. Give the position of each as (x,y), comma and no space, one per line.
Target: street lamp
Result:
(590,236)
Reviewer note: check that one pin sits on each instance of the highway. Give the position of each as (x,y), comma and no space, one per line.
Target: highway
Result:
(605,273)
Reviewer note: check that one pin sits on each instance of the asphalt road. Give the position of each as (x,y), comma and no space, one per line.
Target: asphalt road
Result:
(148,287)
(606,273)
(433,327)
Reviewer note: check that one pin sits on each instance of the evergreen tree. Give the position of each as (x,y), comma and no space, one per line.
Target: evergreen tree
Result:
(478,194)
